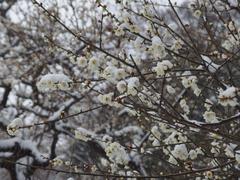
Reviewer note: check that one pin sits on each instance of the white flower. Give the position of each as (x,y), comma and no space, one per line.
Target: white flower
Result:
(93,64)
(208,104)
(180,151)
(184,106)
(237,156)
(138,43)
(215,151)
(191,5)
(195,89)
(175,137)
(120,74)
(162,67)
(51,82)
(155,142)
(72,59)
(199,151)
(70,178)
(155,131)
(106,98)
(187,79)
(13,127)
(197,13)
(109,72)
(177,45)
(229,150)
(133,84)
(64,85)
(231,26)
(193,154)
(210,117)
(215,148)
(228,97)
(157,48)
(117,153)
(170,89)
(191,81)
(156,41)
(121,86)
(82,61)
(56,162)
(134,28)
(82,134)
(172,160)
(119,31)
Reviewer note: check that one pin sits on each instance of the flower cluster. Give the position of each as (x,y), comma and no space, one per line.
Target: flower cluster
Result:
(51,82)
(106,98)
(56,162)
(162,67)
(157,48)
(228,97)
(189,81)
(114,74)
(82,134)
(117,153)
(133,84)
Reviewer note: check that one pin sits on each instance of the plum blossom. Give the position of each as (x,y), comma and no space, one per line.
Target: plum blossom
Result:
(180,151)
(172,160)
(210,117)
(106,98)
(119,31)
(237,156)
(228,97)
(117,153)
(83,134)
(191,82)
(13,127)
(93,64)
(184,106)
(120,74)
(195,152)
(82,61)
(192,154)
(197,13)
(229,150)
(157,48)
(50,82)
(162,67)
(170,89)
(133,84)
(208,104)
(121,86)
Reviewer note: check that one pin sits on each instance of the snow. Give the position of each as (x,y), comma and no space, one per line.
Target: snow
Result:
(5,154)
(83,134)
(24,144)
(54,82)
(212,67)
(57,114)
(128,129)
(228,96)
(55,77)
